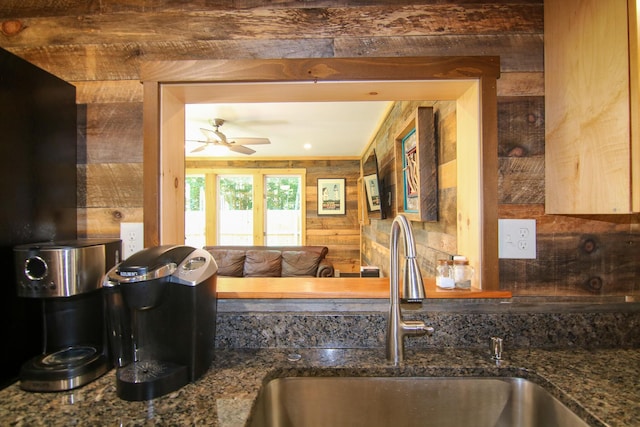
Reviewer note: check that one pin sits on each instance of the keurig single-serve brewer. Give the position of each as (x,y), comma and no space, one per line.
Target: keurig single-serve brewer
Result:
(67,278)
(161,306)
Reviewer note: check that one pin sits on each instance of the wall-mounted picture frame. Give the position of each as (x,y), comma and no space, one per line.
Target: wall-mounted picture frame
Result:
(331,196)
(417,167)
(372,192)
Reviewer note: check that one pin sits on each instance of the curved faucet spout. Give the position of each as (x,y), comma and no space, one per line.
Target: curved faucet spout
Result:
(413,291)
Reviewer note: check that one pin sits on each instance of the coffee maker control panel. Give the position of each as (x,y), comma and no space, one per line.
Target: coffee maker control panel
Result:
(45,270)
(198,266)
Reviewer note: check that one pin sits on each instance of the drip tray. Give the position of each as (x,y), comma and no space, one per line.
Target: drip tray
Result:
(148,379)
(64,369)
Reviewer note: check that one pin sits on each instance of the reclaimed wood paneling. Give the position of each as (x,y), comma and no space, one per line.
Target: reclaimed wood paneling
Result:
(25,8)
(105,222)
(582,264)
(113,133)
(105,92)
(180,25)
(100,47)
(434,240)
(517,51)
(110,184)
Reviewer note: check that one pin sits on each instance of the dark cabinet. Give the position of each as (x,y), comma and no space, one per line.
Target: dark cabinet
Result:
(38,139)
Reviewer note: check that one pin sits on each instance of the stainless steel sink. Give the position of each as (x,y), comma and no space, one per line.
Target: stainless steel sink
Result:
(411,401)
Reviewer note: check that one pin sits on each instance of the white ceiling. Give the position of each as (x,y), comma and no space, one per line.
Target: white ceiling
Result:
(337,118)
(333,129)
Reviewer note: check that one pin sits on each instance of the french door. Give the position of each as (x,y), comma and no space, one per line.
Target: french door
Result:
(245,207)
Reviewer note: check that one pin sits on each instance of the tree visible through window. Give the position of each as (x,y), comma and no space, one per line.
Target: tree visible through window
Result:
(237,192)
(252,208)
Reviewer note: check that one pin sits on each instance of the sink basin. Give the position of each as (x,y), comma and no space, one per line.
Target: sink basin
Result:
(409,401)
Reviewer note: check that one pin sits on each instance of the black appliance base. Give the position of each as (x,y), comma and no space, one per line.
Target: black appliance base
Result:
(148,379)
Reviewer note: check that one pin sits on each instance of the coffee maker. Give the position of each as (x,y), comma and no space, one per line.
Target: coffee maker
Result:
(161,305)
(66,277)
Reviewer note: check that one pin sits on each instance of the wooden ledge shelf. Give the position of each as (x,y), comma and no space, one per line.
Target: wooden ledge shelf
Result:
(331,288)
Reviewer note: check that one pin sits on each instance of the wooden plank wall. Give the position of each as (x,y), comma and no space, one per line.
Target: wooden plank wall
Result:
(99,46)
(340,233)
(434,240)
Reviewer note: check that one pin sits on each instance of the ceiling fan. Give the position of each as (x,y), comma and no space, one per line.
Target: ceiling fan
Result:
(238,145)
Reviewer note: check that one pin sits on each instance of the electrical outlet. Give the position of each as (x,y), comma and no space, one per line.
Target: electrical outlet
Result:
(517,238)
(132,236)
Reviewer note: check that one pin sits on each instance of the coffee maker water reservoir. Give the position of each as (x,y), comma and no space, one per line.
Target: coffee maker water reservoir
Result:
(161,305)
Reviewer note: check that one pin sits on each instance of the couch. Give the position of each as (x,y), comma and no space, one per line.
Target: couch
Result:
(271,261)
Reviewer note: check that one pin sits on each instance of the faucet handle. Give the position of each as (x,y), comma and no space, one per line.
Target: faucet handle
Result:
(416,328)
(496,348)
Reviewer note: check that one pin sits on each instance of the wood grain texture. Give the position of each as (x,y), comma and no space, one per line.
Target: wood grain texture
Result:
(517,51)
(110,184)
(422,123)
(106,92)
(123,61)
(113,133)
(28,8)
(521,180)
(588,161)
(428,235)
(634,89)
(184,25)
(458,68)
(105,222)
(72,40)
(577,263)
(332,288)
(521,84)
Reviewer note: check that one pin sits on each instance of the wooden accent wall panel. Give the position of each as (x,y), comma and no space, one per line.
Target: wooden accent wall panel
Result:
(100,47)
(433,240)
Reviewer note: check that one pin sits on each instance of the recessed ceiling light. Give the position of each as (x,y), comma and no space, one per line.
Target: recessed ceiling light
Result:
(307,146)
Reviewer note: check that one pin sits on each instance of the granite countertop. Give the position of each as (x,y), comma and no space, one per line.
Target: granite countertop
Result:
(601,386)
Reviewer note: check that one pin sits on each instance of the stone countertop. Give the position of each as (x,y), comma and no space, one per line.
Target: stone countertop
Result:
(601,386)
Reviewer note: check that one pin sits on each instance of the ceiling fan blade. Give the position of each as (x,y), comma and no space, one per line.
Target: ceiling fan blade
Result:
(212,135)
(221,136)
(208,133)
(201,148)
(241,149)
(250,141)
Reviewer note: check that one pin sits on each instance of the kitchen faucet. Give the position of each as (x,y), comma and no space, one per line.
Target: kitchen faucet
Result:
(413,291)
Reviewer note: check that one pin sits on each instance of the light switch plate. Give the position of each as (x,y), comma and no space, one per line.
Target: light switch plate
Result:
(517,238)
(132,236)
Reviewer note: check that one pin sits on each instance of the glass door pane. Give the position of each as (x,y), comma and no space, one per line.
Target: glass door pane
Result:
(195,211)
(235,210)
(283,214)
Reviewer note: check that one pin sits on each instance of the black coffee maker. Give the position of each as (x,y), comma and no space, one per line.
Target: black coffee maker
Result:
(161,306)
(66,277)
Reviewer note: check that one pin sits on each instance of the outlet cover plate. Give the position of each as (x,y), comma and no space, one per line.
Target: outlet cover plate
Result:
(517,238)
(132,236)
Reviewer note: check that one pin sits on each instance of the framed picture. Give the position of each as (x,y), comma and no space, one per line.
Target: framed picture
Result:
(331,196)
(411,173)
(417,167)
(372,191)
